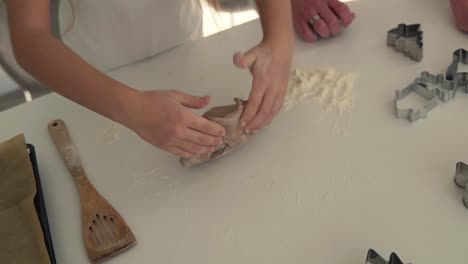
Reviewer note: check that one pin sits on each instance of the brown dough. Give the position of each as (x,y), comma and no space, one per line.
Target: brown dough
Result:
(21,238)
(228,116)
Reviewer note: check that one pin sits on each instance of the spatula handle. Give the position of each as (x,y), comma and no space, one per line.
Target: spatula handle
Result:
(59,133)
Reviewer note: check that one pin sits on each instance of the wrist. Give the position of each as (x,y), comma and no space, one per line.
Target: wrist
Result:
(126,99)
(279,45)
(281,51)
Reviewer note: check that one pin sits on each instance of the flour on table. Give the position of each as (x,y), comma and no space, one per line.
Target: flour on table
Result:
(298,199)
(328,196)
(144,178)
(332,90)
(110,135)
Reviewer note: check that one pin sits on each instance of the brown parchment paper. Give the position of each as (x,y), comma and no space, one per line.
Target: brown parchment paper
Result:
(21,238)
(228,116)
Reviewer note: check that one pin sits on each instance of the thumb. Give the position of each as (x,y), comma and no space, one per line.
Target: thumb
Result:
(244,60)
(191,101)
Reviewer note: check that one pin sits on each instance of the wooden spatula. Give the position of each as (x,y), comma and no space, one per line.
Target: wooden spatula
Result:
(105,232)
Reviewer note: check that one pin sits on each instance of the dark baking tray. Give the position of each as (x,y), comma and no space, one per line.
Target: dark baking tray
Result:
(40,206)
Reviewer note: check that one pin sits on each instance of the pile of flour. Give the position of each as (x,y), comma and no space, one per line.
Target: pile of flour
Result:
(332,90)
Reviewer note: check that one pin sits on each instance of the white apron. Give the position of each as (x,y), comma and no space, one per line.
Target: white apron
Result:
(113,33)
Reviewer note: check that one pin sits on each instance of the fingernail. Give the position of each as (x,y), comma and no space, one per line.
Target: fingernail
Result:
(243,124)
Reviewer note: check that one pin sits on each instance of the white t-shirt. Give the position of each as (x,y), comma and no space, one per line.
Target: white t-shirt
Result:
(113,33)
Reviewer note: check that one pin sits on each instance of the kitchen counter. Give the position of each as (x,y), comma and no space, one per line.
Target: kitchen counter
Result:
(314,187)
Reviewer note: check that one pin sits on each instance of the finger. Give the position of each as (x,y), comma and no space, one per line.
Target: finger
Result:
(342,11)
(277,106)
(259,85)
(191,101)
(321,28)
(264,114)
(205,126)
(180,152)
(279,102)
(202,139)
(303,29)
(244,60)
(192,147)
(331,20)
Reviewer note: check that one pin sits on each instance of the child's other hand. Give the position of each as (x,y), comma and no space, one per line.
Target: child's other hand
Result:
(270,65)
(164,119)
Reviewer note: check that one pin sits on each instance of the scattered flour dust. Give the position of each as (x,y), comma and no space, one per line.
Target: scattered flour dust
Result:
(110,135)
(332,90)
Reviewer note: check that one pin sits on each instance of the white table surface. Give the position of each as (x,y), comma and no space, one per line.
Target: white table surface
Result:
(7,85)
(312,188)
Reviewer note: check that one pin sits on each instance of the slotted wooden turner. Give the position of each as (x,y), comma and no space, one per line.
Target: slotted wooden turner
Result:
(105,232)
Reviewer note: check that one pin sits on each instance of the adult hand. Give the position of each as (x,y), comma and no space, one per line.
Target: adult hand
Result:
(460,11)
(320,18)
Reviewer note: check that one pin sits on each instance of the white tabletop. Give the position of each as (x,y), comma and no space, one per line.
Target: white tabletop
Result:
(312,188)
(7,85)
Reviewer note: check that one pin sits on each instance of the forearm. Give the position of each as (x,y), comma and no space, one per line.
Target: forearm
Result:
(276,18)
(57,66)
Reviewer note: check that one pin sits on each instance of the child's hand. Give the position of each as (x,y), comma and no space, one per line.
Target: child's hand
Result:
(163,118)
(270,65)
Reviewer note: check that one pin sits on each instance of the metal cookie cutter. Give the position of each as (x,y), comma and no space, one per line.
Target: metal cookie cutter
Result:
(408,40)
(461,180)
(415,114)
(374,258)
(430,86)
(461,78)
(444,88)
